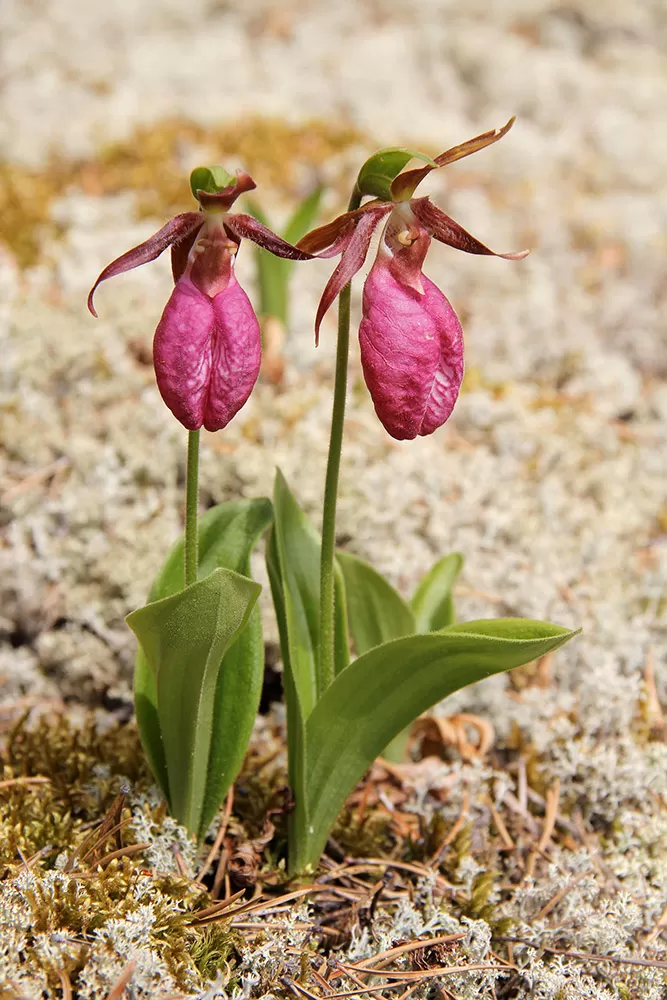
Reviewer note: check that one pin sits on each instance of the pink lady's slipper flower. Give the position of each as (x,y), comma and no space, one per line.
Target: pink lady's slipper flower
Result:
(410,337)
(207,346)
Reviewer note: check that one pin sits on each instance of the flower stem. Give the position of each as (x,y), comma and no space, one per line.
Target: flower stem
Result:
(325,663)
(191,548)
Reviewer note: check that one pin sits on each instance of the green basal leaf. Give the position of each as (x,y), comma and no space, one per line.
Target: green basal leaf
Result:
(274,273)
(377,613)
(184,639)
(297,549)
(293,563)
(271,273)
(227,535)
(210,179)
(303,217)
(432,602)
(379,170)
(383,691)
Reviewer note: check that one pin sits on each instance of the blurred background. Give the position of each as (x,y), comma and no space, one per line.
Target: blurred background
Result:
(550,477)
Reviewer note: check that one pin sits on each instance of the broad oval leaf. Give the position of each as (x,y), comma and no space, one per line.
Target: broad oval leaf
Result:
(184,638)
(227,535)
(432,602)
(381,168)
(376,612)
(379,694)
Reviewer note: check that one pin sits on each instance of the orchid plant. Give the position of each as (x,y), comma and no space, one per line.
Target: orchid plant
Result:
(200,661)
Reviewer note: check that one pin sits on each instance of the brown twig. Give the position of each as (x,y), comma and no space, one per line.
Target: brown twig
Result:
(12,782)
(121,853)
(123,981)
(657,930)
(561,894)
(218,907)
(403,949)
(500,826)
(401,866)
(550,814)
(443,970)
(229,802)
(654,711)
(220,873)
(453,832)
(644,963)
(180,860)
(66,984)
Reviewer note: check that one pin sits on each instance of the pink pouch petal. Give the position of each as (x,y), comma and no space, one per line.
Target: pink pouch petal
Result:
(207,354)
(411,353)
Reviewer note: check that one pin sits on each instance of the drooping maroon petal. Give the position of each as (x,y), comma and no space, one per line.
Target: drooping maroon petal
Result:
(225,197)
(334,235)
(207,354)
(245,227)
(446,230)
(352,260)
(406,183)
(328,234)
(177,229)
(411,353)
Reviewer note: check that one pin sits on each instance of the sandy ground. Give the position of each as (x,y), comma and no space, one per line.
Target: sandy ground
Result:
(550,477)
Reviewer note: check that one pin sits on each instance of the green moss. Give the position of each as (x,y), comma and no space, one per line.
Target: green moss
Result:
(369,836)
(86,910)
(212,950)
(479,905)
(67,903)
(83,768)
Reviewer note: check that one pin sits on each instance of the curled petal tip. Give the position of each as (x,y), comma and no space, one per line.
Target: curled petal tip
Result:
(518,255)
(177,229)
(505,129)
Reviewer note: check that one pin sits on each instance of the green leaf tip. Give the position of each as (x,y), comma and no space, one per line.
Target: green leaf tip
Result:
(210,179)
(379,170)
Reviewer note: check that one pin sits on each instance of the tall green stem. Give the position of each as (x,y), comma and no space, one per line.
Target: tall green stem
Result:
(191,549)
(325,663)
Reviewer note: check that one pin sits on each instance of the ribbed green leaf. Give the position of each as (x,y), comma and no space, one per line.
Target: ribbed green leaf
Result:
(274,273)
(293,562)
(432,602)
(184,639)
(377,613)
(379,694)
(227,535)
